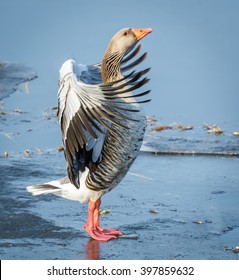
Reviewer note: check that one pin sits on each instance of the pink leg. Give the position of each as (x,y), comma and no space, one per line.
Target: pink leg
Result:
(97,221)
(92,225)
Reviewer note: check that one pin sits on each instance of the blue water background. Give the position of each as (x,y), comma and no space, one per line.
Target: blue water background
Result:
(193,53)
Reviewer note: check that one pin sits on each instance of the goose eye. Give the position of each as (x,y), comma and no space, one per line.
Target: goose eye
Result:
(125,33)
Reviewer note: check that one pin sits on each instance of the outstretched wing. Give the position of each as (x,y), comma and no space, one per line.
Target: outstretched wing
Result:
(87,111)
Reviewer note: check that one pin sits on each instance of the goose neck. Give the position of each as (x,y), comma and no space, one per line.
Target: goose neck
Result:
(110,67)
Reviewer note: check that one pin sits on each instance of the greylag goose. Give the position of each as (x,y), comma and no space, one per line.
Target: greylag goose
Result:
(102,126)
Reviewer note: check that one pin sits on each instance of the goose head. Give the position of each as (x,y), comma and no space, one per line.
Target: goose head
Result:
(125,39)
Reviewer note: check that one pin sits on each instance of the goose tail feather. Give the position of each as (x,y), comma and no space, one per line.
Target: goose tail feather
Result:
(43,189)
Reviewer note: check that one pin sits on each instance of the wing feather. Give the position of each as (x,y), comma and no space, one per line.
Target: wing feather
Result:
(87,109)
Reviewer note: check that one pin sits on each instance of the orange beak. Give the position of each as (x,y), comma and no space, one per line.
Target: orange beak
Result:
(141,32)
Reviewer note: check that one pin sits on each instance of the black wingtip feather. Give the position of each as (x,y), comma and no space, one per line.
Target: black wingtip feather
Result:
(134,63)
(132,54)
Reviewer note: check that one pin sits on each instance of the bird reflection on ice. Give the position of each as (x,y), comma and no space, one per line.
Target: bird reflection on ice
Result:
(93,249)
